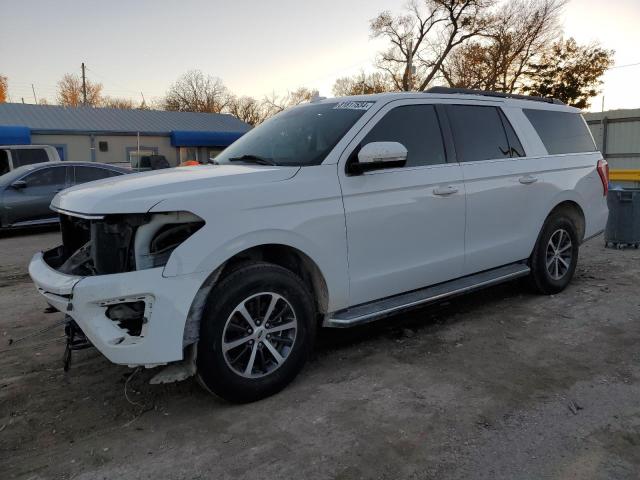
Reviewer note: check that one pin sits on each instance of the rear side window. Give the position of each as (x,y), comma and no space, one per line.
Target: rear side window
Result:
(561,132)
(514,142)
(28,156)
(89,174)
(479,133)
(417,128)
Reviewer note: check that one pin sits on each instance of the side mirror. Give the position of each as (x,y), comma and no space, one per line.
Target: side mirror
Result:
(19,184)
(379,155)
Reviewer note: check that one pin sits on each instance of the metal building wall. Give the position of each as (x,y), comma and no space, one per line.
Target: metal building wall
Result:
(617,134)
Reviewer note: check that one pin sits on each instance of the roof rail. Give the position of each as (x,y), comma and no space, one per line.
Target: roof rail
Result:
(487,93)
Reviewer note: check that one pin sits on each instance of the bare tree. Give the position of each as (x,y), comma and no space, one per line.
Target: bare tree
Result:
(275,104)
(4,89)
(425,36)
(120,103)
(70,92)
(247,109)
(196,92)
(362,84)
(520,32)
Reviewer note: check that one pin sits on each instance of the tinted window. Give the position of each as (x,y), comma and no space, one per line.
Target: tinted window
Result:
(561,132)
(114,173)
(89,174)
(4,162)
(478,133)
(46,176)
(299,136)
(28,156)
(417,128)
(514,142)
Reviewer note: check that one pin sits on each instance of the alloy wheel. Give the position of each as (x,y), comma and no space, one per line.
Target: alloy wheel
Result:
(259,335)
(559,254)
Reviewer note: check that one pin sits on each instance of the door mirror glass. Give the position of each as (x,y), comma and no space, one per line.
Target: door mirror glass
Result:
(378,155)
(19,184)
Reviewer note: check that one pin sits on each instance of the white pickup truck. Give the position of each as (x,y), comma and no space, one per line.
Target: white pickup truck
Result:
(333,214)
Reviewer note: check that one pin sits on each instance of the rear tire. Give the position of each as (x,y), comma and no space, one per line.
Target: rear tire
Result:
(257,330)
(555,256)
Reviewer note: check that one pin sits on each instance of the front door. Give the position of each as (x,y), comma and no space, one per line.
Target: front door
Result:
(31,203)
(405,226)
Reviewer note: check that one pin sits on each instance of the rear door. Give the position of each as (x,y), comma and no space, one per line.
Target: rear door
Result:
(405,225)
(501,183)
(31,203)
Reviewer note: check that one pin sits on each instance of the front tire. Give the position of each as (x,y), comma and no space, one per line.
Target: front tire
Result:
(555,256)
(257,330)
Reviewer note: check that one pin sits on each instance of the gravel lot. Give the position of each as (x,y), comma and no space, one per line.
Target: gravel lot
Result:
(502,384)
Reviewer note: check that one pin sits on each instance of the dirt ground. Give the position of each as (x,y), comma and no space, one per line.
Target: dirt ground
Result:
(502,384)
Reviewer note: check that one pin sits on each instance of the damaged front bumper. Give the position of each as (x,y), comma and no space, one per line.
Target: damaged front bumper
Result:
(133,318)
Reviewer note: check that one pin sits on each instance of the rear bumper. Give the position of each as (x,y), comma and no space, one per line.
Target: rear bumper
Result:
(85,299)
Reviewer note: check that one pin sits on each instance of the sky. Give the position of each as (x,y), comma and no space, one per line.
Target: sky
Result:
(140,47)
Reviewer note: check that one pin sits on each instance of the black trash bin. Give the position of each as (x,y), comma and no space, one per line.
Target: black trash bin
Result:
(623,225)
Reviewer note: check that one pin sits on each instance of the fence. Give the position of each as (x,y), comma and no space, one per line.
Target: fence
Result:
(617,135)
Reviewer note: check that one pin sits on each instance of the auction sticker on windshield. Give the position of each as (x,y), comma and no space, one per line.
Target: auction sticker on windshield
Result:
(353,105)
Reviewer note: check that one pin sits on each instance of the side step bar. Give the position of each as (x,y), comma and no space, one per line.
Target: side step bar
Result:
(378,309)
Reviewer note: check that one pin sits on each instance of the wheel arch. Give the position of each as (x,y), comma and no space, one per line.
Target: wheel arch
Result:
(574,211)
(284,255)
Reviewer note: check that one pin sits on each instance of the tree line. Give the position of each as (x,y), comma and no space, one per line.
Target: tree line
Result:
(512,47)
(193,91)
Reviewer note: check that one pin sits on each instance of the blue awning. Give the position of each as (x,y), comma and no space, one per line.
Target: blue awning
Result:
(181,138)
(14,135)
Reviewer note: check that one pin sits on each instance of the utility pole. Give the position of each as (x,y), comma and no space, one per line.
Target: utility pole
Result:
(35,99)
(410,65)
(84,87)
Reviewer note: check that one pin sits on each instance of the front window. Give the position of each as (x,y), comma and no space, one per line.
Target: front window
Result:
(301,136)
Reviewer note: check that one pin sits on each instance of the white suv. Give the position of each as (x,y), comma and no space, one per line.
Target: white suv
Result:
(333,214)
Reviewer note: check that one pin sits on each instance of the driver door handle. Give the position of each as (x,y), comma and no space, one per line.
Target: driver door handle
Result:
(528,179)
(444,191)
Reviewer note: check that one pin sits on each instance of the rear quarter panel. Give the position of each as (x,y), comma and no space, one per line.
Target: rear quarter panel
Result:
(571,177)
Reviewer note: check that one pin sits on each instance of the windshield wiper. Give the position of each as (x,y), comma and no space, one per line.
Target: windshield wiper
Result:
(253,159)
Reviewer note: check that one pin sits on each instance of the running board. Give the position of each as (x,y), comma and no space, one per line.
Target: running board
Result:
(368,312)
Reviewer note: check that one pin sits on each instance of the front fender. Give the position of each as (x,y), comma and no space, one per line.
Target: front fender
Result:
(332,266)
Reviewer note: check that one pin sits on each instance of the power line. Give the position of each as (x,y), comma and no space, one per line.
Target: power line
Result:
(624,66)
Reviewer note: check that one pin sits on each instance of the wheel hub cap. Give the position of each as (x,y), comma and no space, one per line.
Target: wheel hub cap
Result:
(559,254)
(259,335)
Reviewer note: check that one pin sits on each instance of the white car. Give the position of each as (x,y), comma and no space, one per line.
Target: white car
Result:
(333,214)
(14,156)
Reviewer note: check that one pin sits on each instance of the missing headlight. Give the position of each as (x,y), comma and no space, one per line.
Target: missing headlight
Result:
(156,240)
(120,243)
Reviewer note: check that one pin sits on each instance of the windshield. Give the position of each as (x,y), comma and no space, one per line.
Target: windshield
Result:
(301,136)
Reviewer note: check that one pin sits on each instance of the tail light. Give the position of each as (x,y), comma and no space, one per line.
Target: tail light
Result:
(603,171)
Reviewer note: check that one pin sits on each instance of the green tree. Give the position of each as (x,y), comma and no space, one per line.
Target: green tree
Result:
(569,72)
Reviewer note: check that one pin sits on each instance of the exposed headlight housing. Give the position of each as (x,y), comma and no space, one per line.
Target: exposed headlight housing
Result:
(120,243)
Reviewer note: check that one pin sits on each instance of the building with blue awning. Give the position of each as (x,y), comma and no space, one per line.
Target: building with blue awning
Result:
(117,136)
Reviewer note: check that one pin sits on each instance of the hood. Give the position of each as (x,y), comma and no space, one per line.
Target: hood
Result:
(139,192)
